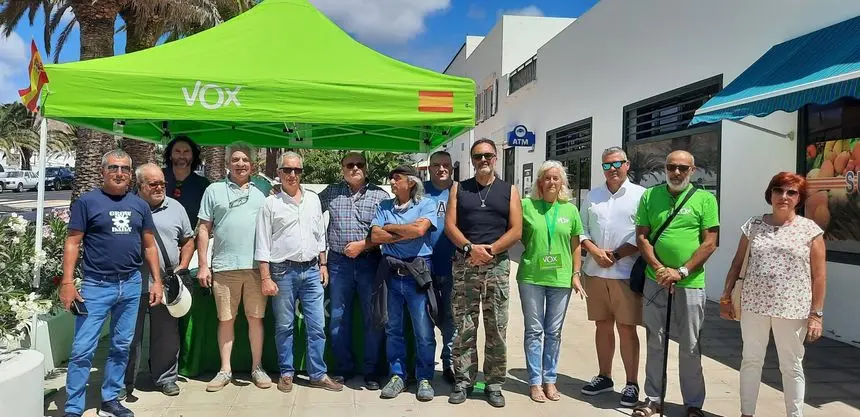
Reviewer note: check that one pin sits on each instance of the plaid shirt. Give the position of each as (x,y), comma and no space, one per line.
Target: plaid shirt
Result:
(350,214)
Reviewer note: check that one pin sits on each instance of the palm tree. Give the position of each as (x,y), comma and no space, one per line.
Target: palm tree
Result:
(19,134)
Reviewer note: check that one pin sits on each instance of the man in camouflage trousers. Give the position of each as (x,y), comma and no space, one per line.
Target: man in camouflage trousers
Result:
(484,219)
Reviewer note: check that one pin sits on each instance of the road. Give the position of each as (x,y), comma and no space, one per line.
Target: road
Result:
(24,203)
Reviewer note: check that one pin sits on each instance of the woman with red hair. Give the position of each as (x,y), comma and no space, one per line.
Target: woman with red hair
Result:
(783,291)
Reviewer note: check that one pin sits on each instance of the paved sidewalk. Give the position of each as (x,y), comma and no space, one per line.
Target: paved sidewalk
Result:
(833,389)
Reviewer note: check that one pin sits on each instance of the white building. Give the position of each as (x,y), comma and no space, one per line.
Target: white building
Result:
(631,74)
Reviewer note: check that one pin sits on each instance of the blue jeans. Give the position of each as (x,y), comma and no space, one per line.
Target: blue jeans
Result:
(445,287)
(403,291)
(346,276)
(303,284)
(102,295)
(543,312)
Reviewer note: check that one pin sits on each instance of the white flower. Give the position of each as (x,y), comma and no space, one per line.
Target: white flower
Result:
(15,240)
(41,258)
(2,265)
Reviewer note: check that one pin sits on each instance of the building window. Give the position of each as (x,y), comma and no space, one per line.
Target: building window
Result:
(829,154)
(487,102)
(659,125)
(520,77)
(571,145)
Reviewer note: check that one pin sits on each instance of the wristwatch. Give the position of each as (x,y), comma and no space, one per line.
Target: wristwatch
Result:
(818,314)
(683,272)
(467,248)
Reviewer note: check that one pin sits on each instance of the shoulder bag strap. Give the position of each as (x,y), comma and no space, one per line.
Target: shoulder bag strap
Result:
(167,266)
(672,216)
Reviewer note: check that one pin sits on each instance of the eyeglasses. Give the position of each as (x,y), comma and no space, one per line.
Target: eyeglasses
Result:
(614,164)
(290,170)
(353,165)
(683,168)
(161,184)
(479,156)
(785,191)
(117,168)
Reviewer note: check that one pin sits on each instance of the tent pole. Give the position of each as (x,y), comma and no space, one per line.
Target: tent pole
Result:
(40,218)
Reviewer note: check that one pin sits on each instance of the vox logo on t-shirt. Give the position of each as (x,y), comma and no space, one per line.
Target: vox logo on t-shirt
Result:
(121,222)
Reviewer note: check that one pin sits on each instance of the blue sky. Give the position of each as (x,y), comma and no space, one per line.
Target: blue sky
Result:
(422,32)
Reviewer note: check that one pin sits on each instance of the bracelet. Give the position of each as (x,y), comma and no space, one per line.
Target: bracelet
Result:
(324,264)
(577,273)
(67,283)
(725,301)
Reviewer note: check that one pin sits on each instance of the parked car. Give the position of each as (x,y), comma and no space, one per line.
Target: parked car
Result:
(19,180)
(59,178)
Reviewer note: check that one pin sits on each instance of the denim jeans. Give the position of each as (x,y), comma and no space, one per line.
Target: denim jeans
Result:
(102,295)
(444,288)
(303,284)
(349,277)
(403,292)
(543,313)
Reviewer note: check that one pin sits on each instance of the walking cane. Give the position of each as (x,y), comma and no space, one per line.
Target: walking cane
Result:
(665,352)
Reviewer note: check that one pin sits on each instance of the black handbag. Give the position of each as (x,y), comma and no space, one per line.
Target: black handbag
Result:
(637,274)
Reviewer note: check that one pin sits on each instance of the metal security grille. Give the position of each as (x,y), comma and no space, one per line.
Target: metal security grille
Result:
(668,113)
(526,73)
(570,139)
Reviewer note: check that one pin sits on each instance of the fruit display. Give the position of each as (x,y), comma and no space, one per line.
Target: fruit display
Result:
(832,171)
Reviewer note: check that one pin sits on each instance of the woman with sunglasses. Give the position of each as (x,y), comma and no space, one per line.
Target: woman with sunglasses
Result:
(548,269)
(783,291)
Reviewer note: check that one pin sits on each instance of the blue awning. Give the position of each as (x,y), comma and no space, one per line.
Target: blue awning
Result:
(817,68)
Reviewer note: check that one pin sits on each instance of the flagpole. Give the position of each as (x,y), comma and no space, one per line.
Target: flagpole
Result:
(40,221)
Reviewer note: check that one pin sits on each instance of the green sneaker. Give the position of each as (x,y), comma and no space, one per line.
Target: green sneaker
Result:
(393,388)
(425,391)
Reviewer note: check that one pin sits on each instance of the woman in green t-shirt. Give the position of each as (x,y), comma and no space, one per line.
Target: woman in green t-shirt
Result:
(548,269)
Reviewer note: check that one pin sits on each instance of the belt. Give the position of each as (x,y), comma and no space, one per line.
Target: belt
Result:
(123,276)
(296,264)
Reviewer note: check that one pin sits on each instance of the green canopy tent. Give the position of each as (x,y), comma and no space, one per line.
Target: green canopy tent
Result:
(279,75)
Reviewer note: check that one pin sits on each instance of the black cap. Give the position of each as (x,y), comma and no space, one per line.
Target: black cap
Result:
(403,169)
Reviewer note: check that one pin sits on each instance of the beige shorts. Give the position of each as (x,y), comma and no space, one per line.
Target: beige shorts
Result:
(231,287)
(612,299)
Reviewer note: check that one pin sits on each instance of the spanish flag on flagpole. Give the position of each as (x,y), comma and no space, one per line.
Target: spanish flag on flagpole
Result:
(38,78)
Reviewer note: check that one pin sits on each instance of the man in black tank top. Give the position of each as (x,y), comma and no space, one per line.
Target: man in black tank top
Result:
(484,219)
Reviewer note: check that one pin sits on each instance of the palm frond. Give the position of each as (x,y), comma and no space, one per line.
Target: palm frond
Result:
(13,11)
(64,36)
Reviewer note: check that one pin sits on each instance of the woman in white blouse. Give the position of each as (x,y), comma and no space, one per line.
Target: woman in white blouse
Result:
(783,291)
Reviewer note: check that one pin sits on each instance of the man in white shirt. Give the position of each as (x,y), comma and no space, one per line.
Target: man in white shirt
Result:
(608,219)
(291,250)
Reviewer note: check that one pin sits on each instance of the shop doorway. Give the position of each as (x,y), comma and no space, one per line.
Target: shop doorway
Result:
(510,165)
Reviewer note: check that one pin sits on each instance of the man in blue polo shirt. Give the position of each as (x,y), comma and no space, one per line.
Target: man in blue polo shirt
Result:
(401,225)
(443,254)
(113,226)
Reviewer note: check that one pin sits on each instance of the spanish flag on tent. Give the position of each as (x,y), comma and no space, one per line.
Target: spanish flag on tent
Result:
(38,78)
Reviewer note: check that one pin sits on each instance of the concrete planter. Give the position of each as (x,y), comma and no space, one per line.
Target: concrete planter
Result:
(54,336)
(21,383)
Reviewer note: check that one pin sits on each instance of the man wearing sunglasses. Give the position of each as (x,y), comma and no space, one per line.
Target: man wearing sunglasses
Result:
(484,219)
(353,261)
(290,247)
(229,208)
(174,229)
(676,264)
(610,239)
(116,230)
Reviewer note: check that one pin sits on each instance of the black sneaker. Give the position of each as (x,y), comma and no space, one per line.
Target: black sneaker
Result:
(459,394)
(448,376)
(598,384)
(630,395)
(114,409)
(125,392)
(495,398)
(371,383)
(169,389)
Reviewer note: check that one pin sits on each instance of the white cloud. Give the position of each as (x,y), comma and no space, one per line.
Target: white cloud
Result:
(382,21)
(13,61)
(476,12)
(531,10)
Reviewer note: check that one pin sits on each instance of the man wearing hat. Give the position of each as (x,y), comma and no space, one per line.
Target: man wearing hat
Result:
(402,225)
(175,233)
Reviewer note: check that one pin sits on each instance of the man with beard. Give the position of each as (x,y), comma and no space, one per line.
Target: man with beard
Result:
(174,230)
(676,264)
(116,230)
(181,159)
(353,261)
(443,254)
(484,219)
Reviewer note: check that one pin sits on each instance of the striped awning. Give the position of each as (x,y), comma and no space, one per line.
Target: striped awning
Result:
(817,68)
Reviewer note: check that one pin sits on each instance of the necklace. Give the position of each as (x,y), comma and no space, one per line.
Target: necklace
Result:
(484,198)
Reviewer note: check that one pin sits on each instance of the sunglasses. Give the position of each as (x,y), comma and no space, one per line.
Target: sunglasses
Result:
(117,168)
(290,170)
(353,165)
(614,164)
(479,156)
(683,168)
(161,184)
(785,191)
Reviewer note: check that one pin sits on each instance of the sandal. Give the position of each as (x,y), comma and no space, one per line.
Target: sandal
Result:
(646,409)
(536,394)
(553,394)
